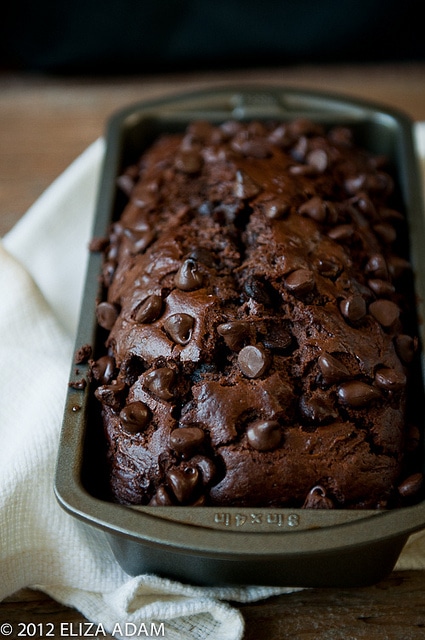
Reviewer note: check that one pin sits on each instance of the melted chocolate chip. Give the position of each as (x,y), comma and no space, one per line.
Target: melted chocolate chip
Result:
(111,394)
(318,158)
(353,308)
(390,379)
(382,288)
(106,314)
(328,266)
(161,382)
(406,347)
(179,327)
(332,369)
(161,498)
(149,310)
(341,232)
(357,394)
(188,277)
(183,483)
(300,282)
(385,312)
(317,209)
(258,290)
(234,333)
(103,369)
(275,209)
(386,232)
(264,435)
(377,265)
(206,467)
(135,416)
(411,485)
(187,440)
(253,361)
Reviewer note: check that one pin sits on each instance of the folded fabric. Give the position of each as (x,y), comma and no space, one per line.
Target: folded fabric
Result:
(42,266)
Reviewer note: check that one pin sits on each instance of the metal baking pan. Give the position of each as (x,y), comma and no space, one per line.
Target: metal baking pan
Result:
(210,545)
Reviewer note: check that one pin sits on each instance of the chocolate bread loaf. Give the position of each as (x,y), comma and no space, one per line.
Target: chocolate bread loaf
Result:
(259,323)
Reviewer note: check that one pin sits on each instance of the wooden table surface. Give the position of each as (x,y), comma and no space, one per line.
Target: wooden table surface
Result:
(45,123)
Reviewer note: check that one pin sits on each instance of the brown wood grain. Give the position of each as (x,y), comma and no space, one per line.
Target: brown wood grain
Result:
(394,609)
(46,122)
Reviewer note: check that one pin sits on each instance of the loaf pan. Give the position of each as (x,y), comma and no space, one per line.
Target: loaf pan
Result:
(209,545)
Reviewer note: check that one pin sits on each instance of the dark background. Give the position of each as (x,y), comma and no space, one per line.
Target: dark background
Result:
(150,36)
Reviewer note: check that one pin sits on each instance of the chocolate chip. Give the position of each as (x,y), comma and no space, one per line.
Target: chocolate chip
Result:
(106,314)
(316,208)
(188,277)
(357,394)
(332,369)
(382,288)
(377,265)
(364,204)
(161,382)
(378,182)
(413,438)
(300,282)
(406,347)
(183,483)
(264,435)
(275,209)
(385,312)
(411,485)
(386,232)
(253,361)
(398,266)
(318,158)
(277,337)
(187,440)
(259,290)
(341,232)
(353,308)
(111,394)
(103,369)
(161,498)
(328,266)
(135,416)
(390,379)
(149,310)
(179,327)
(317,499)
(245,187)
(234,333)
(206,467)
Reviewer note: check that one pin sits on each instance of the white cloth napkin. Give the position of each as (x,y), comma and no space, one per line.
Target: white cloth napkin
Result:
(42,265)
